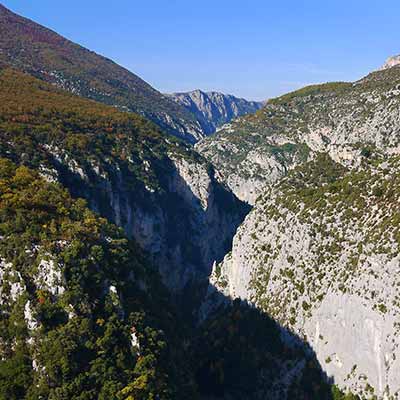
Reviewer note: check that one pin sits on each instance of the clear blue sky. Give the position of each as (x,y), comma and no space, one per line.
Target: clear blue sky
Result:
(255,49)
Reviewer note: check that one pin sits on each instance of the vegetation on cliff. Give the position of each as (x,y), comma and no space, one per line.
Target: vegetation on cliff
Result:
(72,337)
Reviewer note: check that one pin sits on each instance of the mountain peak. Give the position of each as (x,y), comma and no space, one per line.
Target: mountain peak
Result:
(214,109)
(391,62)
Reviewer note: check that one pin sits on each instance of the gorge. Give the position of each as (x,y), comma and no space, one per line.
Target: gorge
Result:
(193,245)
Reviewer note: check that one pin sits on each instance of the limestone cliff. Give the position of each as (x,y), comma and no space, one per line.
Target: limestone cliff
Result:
(156,187)
(320,253)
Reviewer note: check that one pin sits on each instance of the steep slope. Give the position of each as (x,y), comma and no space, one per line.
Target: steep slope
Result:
(242,353)
(158,189)
(214,109)
(83,314)
(339,118)
(320,253)
(41,52)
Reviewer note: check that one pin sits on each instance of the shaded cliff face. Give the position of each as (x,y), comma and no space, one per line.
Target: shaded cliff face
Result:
(339,118)
(214,109)
(83,313)
(319,252)
(43,53)
(161,192)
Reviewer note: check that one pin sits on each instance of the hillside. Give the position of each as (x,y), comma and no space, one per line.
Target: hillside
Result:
(339,118)
(83,314)
(214,109)
(319,250)
(32,48)
(157,188)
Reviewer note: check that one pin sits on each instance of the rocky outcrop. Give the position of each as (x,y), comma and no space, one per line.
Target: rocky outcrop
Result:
(247,175)
(391,62)
(339,118)
(213,109)
(319,252)
(11,283)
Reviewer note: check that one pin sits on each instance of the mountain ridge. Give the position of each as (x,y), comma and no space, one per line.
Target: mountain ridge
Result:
(214,109)
(261,148)
(40,51)
(44,53)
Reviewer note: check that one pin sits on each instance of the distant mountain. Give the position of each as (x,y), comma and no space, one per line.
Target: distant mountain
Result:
(213,109)
(32,48)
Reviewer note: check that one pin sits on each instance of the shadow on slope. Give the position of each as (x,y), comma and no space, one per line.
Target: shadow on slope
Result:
(241,353)
(159,190)
(183,236)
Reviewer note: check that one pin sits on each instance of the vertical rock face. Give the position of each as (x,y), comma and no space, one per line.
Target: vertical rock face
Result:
(319,252)
(357,345)
(158,189)
(214,109)
(186,228)
(186,221)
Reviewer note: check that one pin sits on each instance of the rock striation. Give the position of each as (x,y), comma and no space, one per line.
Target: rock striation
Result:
(320,253)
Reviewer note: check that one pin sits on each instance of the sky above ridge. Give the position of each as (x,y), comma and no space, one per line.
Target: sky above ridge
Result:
(256,49)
